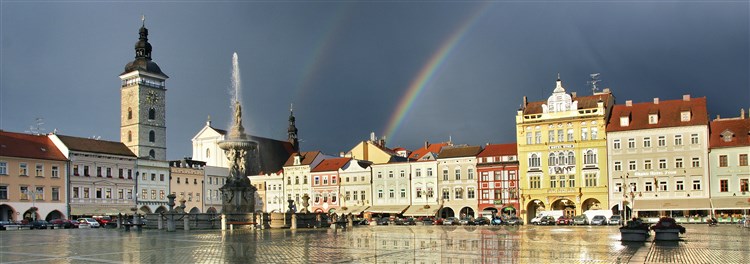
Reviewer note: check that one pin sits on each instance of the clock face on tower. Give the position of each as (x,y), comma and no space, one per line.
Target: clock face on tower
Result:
(152,97)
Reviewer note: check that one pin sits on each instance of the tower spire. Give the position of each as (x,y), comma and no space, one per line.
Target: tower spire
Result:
(292,131)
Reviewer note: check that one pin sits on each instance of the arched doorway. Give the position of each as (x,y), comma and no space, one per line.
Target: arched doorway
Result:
(509,210)
(467,212)
(447,212)
(145,209)
(590,204)
(566,205)
(195,210)
(533,208)
(161,209)
(7,213)
(31,214)
(54,215)
(489,212)
(211,210)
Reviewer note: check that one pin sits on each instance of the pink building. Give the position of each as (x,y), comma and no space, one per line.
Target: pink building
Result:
(497,166)
(325,185)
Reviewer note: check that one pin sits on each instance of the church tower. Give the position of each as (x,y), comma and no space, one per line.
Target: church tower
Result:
(142,92)
(292,131)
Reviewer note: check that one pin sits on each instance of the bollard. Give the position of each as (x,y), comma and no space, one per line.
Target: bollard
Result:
(294,221)
(223,222)
(351,220)
(186,223)
(160,222)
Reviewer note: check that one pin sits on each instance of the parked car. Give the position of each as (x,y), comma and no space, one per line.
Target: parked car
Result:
(427,221)
(547,220)
(60,223)
(615,220)
(497,221)
(103,220)
(481,221)
(513,220)
(580,220)
(450,221)
(5,223)
(564,220)
(464,221)
(91,222)
(382,221)
(599,220)
(438,221)
(39,224)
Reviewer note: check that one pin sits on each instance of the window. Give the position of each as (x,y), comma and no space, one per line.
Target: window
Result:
(445,174)
(39,170)
(631,165)
(724,185)
(538,137)
(662,141)
(362,196)
(325,180)
(108,193)
(161,177)
(570,135)
(151,113)
(333,179)
(470,192)
(647,142)
(418,173)
(594,133)
(624,121)
(560,135)
(663,186)
(633,187)
(694,139)
(677,140)
(722,160)
(551,159)
(109,172)
(696,184)
(744,185)
(402,173)
(98,171)
(152,153)
(446,194)
(471,174)
(616,144)
(24,192)
(3,192)
(130,174)
(120,194)
(534,160)
(591,179)
(678,163)
(459,193)
(631,143)
(679,185)
(151,136)
(653,118)
(296,179)
(696,162)
(458,174)
(685,116)
(316,180)
(662,163)
(553,181)
(390,174)
(130,136)
(419,192)
(391,193)
(528,138)
(403,193)
(430,193)
(380,175)
(153,194)
(75,192)
(130,113)
(571,158)
(618,187)
(3,168)
(153,177)
(429,172)
(23,169)
(289,181)
(649,186)
(551,135)
(144,194)
(535,182)
(584,133)
(589,157)
(743,159)
(647,164)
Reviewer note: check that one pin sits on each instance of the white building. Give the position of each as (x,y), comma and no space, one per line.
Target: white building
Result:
(658,158)
(355,180)
(297,176)
(215,178)
(391,188)
(730,173)
(425,200)
(458,181)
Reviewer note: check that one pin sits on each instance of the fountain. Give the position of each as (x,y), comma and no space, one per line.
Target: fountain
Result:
(238,195)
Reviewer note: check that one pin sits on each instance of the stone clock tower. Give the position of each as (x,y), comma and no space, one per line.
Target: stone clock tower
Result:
(143,119)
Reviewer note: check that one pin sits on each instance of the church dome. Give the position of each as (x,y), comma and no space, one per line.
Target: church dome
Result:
(143,60)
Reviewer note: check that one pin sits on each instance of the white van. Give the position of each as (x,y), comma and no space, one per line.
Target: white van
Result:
(591,213)
(554,213)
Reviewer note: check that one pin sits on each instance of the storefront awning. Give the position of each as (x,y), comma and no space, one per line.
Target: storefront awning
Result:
(728,203)
(671,204)
(100,210)
(387,209)
(420,210)
(355,210)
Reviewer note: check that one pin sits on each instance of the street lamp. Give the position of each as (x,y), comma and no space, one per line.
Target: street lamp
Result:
(32,193)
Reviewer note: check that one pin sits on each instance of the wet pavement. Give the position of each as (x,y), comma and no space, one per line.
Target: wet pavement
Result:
(374,244)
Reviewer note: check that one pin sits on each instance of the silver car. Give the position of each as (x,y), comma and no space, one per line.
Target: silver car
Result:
(580,220)
(599,220)
(615,220)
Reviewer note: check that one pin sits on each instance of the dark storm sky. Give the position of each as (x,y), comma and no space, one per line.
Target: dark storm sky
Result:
(346,65)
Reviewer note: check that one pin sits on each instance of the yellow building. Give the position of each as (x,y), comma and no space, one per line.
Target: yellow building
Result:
(562,151)
(186,181)
(373,150)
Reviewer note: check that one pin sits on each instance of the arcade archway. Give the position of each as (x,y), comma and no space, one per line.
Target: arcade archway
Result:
(7,213)
(533,208)
(54,215)
(467,212)
(447,212)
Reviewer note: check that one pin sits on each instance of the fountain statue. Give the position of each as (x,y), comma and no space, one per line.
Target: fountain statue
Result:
(238,195)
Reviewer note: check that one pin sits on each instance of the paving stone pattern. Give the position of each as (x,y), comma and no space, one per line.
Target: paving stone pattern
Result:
(374,244)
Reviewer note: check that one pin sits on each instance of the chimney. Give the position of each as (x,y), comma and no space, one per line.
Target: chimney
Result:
(426,144)
(573,94)
(372,136)
(606,91)
(629,103)
(525,102)
(341,154)
(686,97)
(718,117)
(742,113)
(656,100)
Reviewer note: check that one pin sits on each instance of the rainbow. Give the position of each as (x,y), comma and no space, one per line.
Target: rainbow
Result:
(428,71)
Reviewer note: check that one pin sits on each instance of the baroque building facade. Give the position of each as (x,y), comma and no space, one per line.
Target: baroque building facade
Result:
(729,147)
(562,152)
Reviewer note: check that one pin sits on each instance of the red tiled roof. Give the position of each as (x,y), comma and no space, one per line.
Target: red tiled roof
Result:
(307,158)
(584,102)
(331,164)
(456,152)
(28,146)
(95,146)
(434,148)
(669,114)
(493,150)
(739,127)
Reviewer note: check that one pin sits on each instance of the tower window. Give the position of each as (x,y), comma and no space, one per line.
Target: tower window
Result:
(130,113)
(208,153)
(151,136)
(130,136)
(151,113)
(152,153)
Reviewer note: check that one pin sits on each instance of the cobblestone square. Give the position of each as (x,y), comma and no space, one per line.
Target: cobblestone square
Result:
(374,244)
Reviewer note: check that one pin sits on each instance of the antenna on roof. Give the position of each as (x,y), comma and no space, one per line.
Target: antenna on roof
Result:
(594,81)
(37,128)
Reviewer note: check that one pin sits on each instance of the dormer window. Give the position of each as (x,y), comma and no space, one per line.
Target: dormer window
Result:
(685,116)
(727,135)
(296,160)
(624,121)
(653,118)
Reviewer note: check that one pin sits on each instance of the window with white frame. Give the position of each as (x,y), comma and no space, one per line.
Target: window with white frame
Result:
(694,139)
(391,193)
(594,133)
(647,142)
(677,140)
(538,137)
(696,162)
(589,157)
(663,186)
(380,193)
(631,143)
(678,163)
(23,169)
(618,187)
(470,193)
(653,118)
(553,181)
(685,116)
(662,163)
(647,164)
(570,135)
(470,174)
(649,186)
(560,135)
(459,193)
(403,193)
(679,185)
(445,174)
(696,185)
(39,170)
(390,174)
(528,138)
(458,173)
(616,144)
(446,194)
(418,173)
(429,172)
(3,192)
(624,121)
(591,179)
(535,182)
(662,141)
(584,133)
(631,165)
(551,136)
(3,168)
(534,160)
(403,173)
